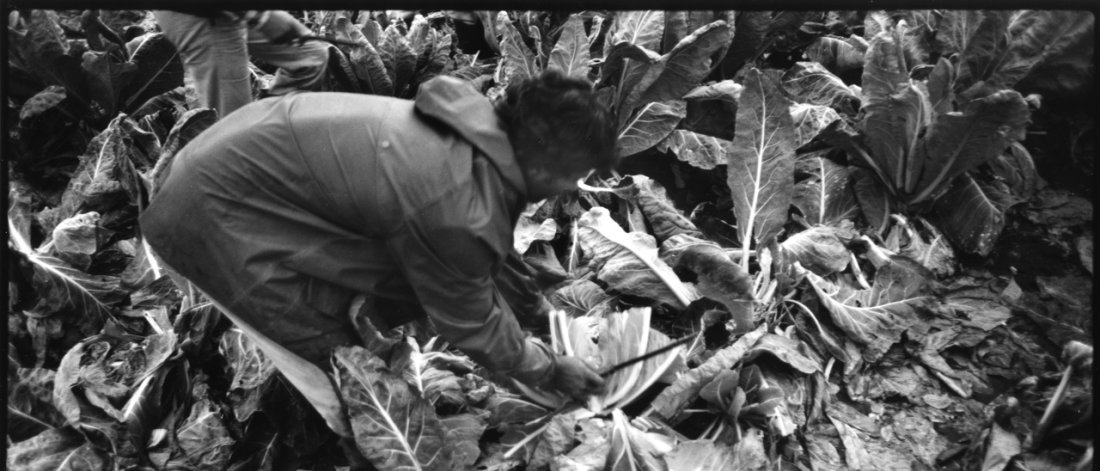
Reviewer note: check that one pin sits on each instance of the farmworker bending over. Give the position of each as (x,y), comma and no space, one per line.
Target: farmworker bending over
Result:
(289,210)
(215,46)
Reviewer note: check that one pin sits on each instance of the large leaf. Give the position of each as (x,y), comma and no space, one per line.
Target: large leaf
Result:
(876,317)
(628,263)
(761,162)
(717,277)
(661,215)
(158,70)
(518,61)
(958,142)
(819,249)
(393,427)
(971,216)
(751,28)
(826,197)
(571,53)
(698,150)
(682,68)
(650,125)
(60,286)
(1036,36)
(398,57)
(106,178)
(838,55)
(107,74)
(673,399)
(635,450)
(641,28)
(39,46)
(679,24)
(810,82)
(874,200)
(896,111)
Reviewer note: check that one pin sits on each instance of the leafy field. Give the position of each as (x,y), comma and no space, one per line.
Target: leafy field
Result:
(875,228)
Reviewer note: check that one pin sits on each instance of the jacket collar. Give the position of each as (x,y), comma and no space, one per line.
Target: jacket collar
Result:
(458,104)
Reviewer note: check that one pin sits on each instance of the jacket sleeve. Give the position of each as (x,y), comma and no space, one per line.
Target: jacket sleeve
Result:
(448,251)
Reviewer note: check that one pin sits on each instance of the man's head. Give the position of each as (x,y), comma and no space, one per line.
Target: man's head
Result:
(559,131)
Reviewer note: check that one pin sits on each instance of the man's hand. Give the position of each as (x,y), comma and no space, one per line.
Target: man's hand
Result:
(281,27)
(575,378)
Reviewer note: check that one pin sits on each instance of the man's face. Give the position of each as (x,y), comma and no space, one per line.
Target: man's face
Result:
(542,183)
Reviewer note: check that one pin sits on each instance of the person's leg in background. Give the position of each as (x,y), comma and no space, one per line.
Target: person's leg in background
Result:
(215,54)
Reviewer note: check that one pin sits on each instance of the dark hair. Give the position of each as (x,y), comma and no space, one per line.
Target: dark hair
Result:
(556,123)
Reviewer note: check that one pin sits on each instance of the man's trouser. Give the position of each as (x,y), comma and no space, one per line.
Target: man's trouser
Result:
(215,52)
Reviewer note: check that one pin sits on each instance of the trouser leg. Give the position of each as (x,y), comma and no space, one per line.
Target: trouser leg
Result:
(215,55)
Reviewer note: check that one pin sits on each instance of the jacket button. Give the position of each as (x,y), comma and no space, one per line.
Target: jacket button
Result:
(385,144)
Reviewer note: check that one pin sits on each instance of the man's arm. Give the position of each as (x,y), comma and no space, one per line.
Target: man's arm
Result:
(447,252)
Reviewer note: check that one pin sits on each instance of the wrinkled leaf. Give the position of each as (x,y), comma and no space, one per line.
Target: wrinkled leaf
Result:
(698,150)
(663,217)
(933,252)
(709,455)
(878,316)
(63,449)
(76,239)
(249,369)
(628,262)
(809,120)
(528,231)
(555,440)
(579,297)
(761,162)
(820,249)
(463,433)
(393,427)
(786,350)
(204,438)
(812,83)
(648,126)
